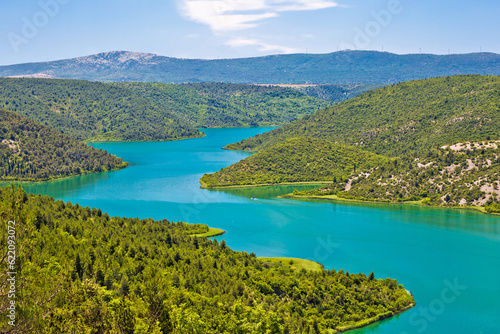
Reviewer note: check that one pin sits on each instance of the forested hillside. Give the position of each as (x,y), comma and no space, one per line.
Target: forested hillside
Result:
(438,138)
(336,93)
(208,105)
(77,270)
(30,151)
(300,159)
(92,111)
(402,118)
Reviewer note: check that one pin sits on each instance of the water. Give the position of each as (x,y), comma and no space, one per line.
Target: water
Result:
(449,259)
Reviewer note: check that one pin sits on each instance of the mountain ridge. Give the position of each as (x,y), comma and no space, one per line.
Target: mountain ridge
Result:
(341,67)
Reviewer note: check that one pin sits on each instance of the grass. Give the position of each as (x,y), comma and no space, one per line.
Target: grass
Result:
(205,186)
(212,232)
(419,203)
(294,263)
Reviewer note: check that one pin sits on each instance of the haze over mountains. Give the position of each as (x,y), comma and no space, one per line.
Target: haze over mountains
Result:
(344,67)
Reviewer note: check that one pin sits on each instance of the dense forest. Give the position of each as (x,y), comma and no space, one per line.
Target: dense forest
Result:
(302,159)
(208,105)
(403,118)
(343,67)
(78,270)
(438,141)
(30,151)
(92,111)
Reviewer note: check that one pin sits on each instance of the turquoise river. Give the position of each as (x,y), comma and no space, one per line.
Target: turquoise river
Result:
(449,259)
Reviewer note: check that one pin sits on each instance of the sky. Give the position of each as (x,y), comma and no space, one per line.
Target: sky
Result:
(44,30)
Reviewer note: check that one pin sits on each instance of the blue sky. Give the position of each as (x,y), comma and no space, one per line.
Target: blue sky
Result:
(41,30)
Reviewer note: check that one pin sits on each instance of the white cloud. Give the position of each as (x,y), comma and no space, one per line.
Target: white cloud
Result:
(261,46)
(231,15)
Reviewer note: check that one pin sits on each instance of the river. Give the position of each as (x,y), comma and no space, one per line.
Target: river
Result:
(449,259)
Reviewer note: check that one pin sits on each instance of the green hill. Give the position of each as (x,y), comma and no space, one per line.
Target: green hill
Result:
(300,159)
(30,151)
(92,111)
(407,117)
(439,136)
(77,270)
(344,67)
(208,105)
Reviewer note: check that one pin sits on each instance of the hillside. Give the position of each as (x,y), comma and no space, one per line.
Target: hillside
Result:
(207,105)
(404,118)
(30,151)
(92,111)
(336,93)
(344,67)
(460,175)
(295,160)
(78,270)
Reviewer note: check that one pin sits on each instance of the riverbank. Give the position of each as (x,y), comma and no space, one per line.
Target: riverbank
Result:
(419,203)
(212,232)
(21,182)
(294,263)
(366,322)
(205,186)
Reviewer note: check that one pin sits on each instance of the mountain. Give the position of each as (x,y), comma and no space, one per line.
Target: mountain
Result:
(302,159)
(344,67)
(78,270)
(92,111)
(208,105)
(402,118)
(30,151)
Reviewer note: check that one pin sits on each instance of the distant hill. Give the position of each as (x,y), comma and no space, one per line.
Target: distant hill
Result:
(402,118)
(344,67)
(92,111)
(30,151)
(300,159)
(208,105)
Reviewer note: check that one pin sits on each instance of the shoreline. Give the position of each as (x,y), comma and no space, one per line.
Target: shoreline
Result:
(312,183)
(417,203)
(212,232)
(340,199)
(371,321)
(9,182)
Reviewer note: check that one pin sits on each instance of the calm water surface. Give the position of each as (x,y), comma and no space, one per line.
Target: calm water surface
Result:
(450,260)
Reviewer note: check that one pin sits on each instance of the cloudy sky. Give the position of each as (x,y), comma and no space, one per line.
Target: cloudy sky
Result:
(41,30)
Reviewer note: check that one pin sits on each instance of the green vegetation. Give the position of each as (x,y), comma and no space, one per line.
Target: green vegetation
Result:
(30,151)
(337,93)
(344,67)
(212,232)
(208,105)
(463,175)
(405,118)
(81,271)
(92,111)
(437,140)
(293,263)
(295,160)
